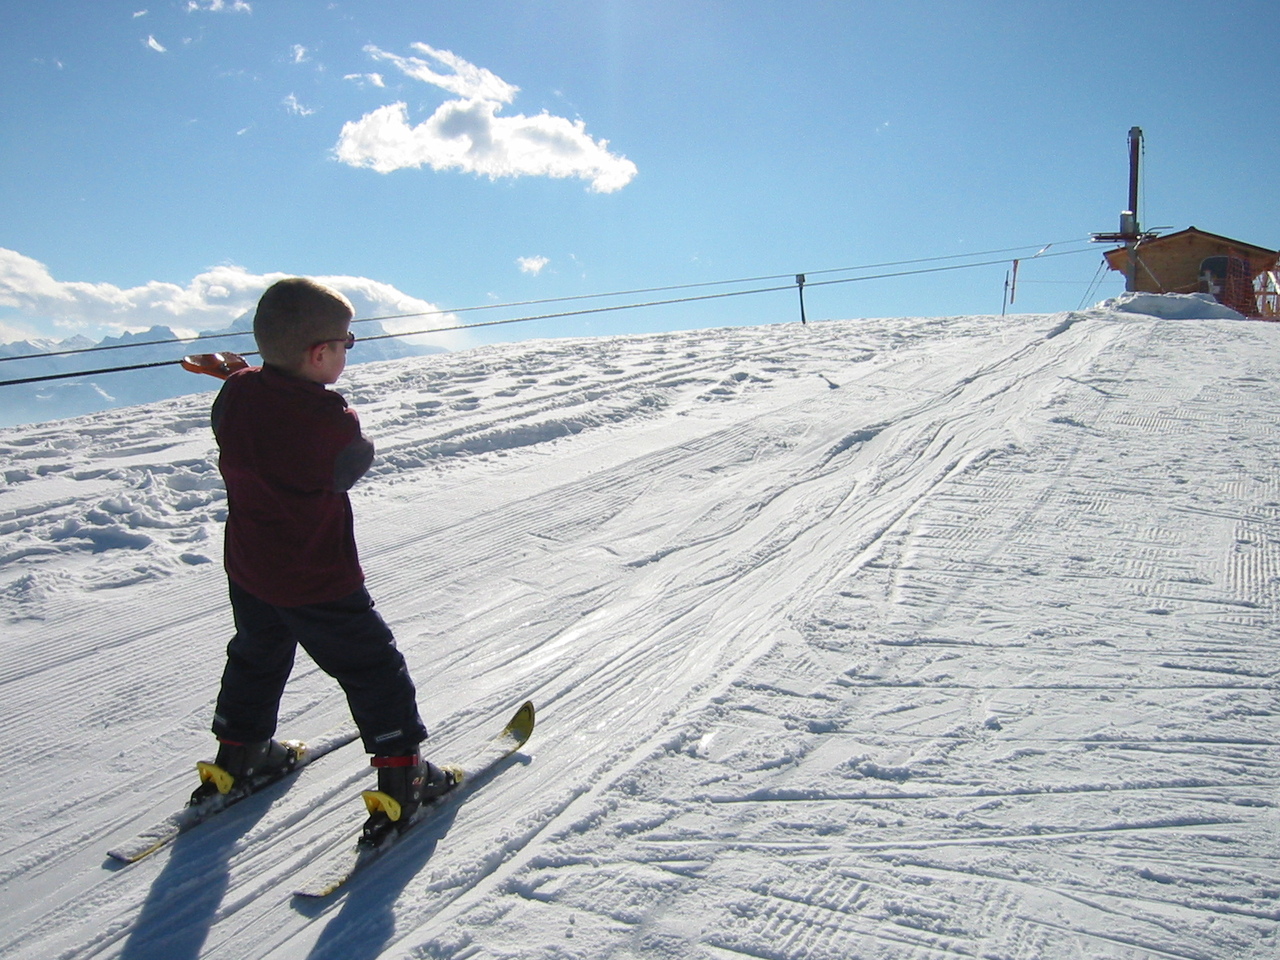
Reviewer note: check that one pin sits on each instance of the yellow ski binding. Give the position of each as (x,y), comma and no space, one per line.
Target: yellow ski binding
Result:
(375,800)
(211,772)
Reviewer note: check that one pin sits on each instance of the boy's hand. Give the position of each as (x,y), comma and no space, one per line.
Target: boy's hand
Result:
(220,365)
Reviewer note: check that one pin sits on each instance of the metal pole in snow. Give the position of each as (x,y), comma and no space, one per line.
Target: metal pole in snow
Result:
(800,286)
(1010,287)
(1135,160)
(1134,230)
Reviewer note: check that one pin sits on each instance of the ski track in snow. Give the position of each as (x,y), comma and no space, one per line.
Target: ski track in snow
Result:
(905,638)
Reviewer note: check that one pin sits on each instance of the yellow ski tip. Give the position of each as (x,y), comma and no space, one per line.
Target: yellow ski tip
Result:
(520,726)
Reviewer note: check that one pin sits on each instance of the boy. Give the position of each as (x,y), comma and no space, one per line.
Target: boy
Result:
(289,450)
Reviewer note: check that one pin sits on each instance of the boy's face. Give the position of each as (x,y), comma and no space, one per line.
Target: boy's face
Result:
(325,361)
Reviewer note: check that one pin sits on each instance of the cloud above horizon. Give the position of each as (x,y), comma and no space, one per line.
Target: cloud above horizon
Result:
(217,6)
(467,134)
(33,304)
(297,109)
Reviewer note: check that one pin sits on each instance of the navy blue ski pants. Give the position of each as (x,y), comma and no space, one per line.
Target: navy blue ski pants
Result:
(347,639)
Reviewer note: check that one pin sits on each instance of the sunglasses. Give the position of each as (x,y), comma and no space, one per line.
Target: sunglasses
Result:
(347,342)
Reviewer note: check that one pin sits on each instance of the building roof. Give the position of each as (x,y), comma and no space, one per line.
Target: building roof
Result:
(1261,259)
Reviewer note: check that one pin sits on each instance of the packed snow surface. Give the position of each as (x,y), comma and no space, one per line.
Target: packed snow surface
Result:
(909,638)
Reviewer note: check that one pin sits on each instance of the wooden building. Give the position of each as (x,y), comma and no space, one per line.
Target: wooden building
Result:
(1238,274)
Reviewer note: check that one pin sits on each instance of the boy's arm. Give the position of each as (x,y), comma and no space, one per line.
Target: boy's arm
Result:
(352,462)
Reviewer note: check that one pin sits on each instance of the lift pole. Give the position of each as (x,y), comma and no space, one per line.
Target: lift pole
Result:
(1134,230)
(1130,230)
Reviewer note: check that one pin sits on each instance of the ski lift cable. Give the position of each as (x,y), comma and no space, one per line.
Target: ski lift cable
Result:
(561,314)
(526,303)
(702,297)
(718,283)
(1093,284)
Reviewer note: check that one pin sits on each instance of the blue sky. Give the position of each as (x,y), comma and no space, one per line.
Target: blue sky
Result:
(163,161)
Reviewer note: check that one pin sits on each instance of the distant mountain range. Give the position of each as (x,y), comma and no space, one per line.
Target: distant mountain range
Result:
(73,396)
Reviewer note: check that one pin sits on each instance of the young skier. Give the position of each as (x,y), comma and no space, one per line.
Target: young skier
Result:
(289,450)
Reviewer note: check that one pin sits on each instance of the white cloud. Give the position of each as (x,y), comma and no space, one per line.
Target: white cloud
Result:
(300,54)
(465,79)
(531,265)
(372,79)
(467,134)
(154,44)
(139,13)
(373,298)
(12,334)
(46,307)
(291,102)
(63,308)
(218,6)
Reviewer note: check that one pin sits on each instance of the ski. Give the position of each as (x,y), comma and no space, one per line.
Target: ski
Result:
(164,832)
(469,774)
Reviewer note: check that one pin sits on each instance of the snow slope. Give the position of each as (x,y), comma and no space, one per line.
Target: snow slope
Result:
(904,638)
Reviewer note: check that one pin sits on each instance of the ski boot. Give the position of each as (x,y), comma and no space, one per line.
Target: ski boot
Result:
(238,764)
(404,784)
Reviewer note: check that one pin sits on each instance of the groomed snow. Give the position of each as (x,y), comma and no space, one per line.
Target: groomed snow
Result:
(907,638)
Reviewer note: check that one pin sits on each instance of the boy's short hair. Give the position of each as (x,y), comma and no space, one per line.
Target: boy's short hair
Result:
(294,315)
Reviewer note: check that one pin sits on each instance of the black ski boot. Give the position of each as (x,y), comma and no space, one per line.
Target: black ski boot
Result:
(404,784)
(237,765)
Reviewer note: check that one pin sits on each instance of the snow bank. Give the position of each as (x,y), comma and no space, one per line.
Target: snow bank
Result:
(1172,306)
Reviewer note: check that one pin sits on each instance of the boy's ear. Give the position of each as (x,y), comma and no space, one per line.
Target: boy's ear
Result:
(314,356)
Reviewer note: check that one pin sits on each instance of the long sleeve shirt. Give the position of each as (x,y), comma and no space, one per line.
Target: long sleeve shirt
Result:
(289,450)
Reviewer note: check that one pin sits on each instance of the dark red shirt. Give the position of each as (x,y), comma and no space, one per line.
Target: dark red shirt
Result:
(289,451)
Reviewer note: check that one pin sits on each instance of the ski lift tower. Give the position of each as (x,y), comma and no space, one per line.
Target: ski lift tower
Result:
(1130,233)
